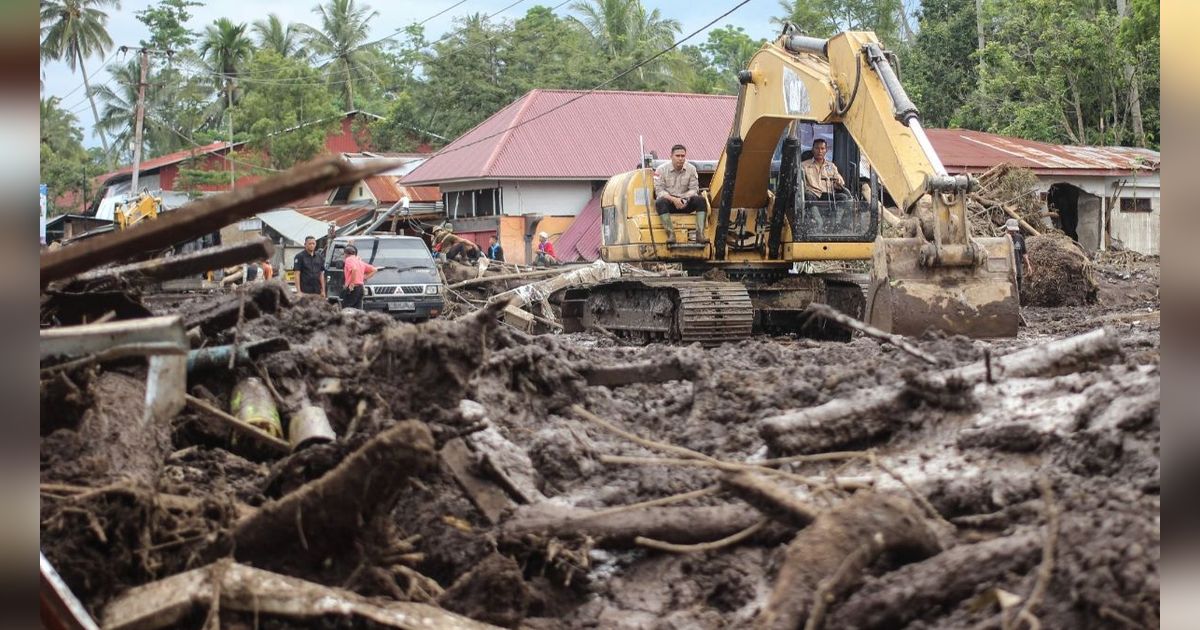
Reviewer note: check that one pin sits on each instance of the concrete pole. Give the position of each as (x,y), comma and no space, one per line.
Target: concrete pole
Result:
(144,55)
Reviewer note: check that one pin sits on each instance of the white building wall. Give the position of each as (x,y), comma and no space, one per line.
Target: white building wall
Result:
(549,198)
(1137,231)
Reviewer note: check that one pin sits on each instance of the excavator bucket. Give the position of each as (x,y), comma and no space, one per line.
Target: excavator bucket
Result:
(907,297)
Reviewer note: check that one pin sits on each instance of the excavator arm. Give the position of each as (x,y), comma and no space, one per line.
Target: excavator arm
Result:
(949,281)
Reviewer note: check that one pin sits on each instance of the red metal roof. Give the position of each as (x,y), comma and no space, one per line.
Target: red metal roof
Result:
(593,137)
(387,190)
(581,239)
(170,158)
(963,150)
(340,215)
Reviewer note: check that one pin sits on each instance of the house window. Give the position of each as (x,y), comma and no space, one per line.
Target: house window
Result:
(472,203)
(1136,204)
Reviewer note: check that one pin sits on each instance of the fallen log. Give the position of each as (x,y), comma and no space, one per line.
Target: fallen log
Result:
(642,372)
(329,511)
(902,596)
(523,275)
(203,216)
(618,529)
(875,412)
(827,558)
(226,585)
(160,269)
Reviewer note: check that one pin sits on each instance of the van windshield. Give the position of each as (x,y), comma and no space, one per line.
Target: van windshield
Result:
(402,254)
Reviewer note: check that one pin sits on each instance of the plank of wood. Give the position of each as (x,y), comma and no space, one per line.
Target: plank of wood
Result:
(485,495)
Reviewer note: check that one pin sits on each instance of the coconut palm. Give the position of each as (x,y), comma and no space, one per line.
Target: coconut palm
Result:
(273,35)
(119,98)
(623,31)
(340,42)
(226,48)
(73,30)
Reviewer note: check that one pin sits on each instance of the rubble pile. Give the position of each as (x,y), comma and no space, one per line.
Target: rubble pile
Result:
(464,473)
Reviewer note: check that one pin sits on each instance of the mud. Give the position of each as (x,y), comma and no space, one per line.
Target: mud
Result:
(979,457)
(1062,273)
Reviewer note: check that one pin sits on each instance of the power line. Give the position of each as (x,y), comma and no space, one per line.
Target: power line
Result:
(452,149)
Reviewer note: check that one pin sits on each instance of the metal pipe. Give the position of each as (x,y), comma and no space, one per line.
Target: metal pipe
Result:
(805,44)
(914,124)
(902,107)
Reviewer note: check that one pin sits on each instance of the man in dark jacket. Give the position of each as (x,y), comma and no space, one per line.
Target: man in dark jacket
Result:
(494,251)
(310,269)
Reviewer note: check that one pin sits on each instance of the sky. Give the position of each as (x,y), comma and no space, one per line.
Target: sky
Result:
(124,28)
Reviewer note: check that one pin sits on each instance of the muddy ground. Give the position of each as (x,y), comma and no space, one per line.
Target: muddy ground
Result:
(1040,494)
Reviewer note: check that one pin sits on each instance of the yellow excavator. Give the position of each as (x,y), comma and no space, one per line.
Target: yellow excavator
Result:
(142,208)
(740,269)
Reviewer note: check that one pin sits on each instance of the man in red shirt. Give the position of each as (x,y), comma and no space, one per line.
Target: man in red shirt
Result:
(545,252)
(357,272)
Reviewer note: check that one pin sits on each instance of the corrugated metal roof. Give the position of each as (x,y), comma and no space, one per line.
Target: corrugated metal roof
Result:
(340,215)
(293,225)
(963,150)
(581,239)
(594,137)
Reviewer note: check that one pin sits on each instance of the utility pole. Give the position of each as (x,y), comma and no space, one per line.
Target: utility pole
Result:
(229,149)
(144,54)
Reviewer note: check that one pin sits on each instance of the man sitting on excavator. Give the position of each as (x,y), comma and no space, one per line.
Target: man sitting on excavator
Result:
(677,190)
(823,183)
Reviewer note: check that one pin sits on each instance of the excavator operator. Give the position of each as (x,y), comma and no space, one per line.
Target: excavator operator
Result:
(824,184)
(677,190)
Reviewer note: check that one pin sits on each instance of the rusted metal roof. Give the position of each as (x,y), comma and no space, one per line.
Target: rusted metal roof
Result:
(340,215)
(966,151)
(388,190)
(581,239)
(593,137)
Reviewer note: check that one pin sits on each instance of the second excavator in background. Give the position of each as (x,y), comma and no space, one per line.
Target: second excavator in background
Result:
(742,277)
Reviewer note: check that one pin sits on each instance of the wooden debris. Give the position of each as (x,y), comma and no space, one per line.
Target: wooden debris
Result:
(630,373)
(249,303)
(830,313)
(325,513)
(489,499)
(875,412)
(770,499)
(679,525)
(829,556)
(237,587)
(946,578)
(203,216)
(199,262)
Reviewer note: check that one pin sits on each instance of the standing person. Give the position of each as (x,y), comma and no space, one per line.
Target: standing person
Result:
(268,271)
(677,190)
(494,251)
(1020,253)
(310,269)
(357,271)
(405,201)
(822,181)
(545,252)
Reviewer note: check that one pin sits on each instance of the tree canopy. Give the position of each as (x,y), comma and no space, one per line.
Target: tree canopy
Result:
(1067,71)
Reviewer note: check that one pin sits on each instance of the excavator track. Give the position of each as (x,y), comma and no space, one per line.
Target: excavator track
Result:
(680,310)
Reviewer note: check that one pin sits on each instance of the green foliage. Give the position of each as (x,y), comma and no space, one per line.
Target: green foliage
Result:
(341,42)
(940,70)
(167,22)
(825,18)
(65,165)
(226,47)
(1050,71)
(728,52)
(274,36)
(293,96)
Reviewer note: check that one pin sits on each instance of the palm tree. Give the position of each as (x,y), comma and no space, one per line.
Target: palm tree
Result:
(120,106)
(73,30)
(624,31)
(273,35)
(344,28)
(226,48)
